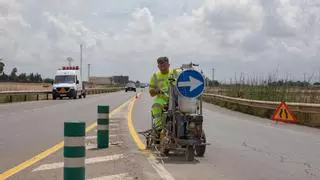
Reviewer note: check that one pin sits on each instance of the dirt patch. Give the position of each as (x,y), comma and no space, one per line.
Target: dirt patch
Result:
(11,86)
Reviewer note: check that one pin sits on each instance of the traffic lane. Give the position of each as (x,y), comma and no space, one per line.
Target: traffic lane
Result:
(121,157)
(248,147)
(7,109)
(24,135)
(243,147)
(176,164)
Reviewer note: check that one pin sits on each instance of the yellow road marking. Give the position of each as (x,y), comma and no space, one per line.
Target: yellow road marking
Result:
(51,150)
(160,169)
(132,130)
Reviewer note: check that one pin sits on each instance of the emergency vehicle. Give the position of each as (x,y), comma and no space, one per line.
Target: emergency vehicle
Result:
(68,83)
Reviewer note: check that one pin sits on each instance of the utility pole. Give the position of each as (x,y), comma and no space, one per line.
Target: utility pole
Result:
(88,72)
(81,61)
(212,74)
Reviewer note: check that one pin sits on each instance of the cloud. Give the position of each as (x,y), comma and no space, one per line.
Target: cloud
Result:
(126,37)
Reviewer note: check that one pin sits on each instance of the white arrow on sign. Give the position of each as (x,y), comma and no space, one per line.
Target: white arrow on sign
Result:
(192,83)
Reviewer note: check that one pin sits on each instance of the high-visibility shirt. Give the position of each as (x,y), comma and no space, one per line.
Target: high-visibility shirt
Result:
(161,81)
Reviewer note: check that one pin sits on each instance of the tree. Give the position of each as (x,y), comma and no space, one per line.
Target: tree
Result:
(1,66)
(48,80)
(22,77)
(37,78)
(31,77)
(137,83)
(13,74)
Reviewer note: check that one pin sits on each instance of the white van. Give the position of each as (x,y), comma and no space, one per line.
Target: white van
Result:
(68,83)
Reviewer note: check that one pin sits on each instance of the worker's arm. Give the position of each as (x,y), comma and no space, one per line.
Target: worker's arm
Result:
(153,90)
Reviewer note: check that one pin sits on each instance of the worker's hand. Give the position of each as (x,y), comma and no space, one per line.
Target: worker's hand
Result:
(154,92)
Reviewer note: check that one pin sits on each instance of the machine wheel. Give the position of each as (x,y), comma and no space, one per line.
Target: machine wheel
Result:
(75,96)
(201,149)
(166,152)
(148,143)
(190,153)
(54,97)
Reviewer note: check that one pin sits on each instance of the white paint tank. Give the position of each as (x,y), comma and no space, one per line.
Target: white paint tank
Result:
(187,105)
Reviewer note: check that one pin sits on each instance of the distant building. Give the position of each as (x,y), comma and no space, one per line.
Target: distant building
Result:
(100,80)
(120,79)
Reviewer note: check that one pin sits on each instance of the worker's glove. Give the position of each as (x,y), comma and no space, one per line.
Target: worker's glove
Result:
(161,92)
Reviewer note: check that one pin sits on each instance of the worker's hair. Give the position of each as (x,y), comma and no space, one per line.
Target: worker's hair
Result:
(163,59)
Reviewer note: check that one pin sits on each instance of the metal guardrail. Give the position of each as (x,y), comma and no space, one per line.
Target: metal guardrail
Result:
(296,107)
(8,96)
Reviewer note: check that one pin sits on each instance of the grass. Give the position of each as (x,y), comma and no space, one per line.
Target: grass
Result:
(270,88)
(310,94)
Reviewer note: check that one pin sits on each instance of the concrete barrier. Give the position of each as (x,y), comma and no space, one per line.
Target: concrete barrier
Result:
(18,96)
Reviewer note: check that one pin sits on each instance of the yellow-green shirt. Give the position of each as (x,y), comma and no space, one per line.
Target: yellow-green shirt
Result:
(161,81)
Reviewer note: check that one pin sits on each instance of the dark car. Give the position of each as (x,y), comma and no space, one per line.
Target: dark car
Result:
(130,87)
(143,85)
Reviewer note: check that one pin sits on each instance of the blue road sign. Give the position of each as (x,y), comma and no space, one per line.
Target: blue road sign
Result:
(190,83)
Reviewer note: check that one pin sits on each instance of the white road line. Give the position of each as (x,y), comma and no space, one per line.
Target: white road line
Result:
(94,146)
(121,176)
(87,161)
(95,137)
(114,124)
(116,142)
(163,173)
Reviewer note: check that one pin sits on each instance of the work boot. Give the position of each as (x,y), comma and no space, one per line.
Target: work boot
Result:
(157,135)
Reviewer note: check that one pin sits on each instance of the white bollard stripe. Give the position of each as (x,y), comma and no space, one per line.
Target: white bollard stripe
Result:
(103,116)
(74,141)
(74,162)
(103,127)
(114,177)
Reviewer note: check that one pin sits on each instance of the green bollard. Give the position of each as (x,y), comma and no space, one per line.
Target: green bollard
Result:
(74,150)
(103,126)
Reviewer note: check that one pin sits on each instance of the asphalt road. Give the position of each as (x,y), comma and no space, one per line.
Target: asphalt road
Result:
(28,128)
(244,147)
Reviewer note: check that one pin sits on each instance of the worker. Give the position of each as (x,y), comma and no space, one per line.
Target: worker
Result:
(158,89)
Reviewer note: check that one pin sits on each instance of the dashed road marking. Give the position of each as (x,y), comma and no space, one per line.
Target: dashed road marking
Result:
(95,137)
(94,146)
(121,176)
(87,161)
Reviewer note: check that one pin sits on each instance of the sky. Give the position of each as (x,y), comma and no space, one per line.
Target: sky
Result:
(255,38)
